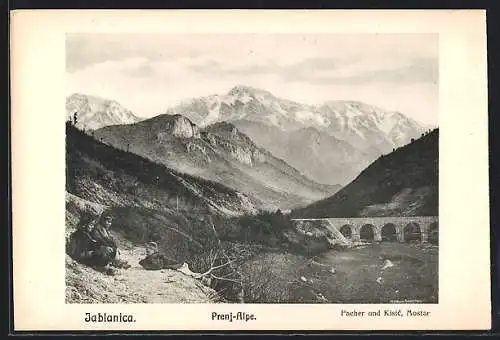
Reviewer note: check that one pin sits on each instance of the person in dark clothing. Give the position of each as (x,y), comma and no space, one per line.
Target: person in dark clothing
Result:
(93,245)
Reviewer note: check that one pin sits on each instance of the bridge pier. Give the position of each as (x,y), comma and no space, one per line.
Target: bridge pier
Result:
(377,235)
(424,237)
(424,232)
(400,230)
(355,235)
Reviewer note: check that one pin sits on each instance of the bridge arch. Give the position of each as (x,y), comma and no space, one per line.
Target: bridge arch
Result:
(347,230)
(389,232)
(367,232)
(433,233)
(412,232)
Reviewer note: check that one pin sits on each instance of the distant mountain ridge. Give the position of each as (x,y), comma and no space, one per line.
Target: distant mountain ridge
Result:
(347,120)
(402,183)
(262,116)
(95,112)
(219,152)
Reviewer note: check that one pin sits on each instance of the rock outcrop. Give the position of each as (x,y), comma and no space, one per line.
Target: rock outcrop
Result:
(184,128)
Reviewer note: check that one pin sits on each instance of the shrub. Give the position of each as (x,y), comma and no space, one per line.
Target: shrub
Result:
(263,284)
(225,278)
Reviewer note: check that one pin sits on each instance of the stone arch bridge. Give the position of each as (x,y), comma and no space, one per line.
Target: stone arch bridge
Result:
(356,229)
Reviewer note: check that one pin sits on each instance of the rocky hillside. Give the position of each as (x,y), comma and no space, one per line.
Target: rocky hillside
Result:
(359,132)
(102,174)
(401,183)
(219,152)
(95,112)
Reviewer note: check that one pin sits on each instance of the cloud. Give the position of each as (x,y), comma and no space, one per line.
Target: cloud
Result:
(411,71)
(314,70)
(284,49)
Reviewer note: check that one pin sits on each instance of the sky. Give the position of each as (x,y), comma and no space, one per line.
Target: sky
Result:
(148,73)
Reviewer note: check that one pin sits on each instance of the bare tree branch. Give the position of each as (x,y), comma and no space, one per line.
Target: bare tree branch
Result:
(226,279)
(185,270)
(216,267)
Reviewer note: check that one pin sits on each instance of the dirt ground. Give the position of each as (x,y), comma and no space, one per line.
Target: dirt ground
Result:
(133,285)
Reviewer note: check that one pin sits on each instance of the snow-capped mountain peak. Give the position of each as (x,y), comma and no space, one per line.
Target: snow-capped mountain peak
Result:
(95,112)
(362,125)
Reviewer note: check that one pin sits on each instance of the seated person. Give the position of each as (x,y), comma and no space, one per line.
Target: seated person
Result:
(92,244)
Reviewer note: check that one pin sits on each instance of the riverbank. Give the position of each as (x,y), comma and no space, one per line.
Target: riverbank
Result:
(384,273)
(372,273)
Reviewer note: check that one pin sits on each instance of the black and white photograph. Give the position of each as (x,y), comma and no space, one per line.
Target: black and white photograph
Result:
(252,168)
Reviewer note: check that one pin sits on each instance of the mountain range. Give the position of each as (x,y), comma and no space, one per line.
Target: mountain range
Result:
(354,133)
(282,152)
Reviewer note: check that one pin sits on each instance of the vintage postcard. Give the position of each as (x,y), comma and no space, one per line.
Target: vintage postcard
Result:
(261,170)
